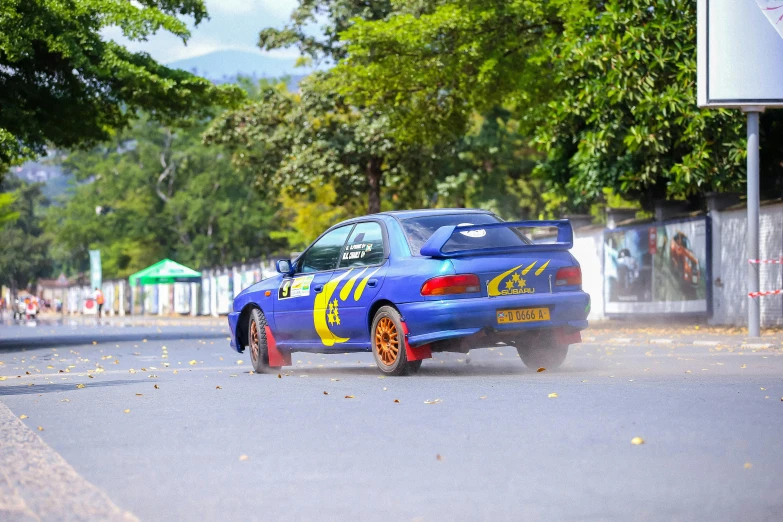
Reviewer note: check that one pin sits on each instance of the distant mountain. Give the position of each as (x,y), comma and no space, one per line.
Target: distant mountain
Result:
(225,65)
(55,181)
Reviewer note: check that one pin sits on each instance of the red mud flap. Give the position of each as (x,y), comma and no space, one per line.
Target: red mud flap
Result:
(418,353)
(562,336)
(276,357)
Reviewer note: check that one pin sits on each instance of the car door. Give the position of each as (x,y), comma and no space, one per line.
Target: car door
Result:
(353,287)
(299,293)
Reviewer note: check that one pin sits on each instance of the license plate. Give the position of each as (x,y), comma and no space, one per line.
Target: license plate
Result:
(523,315)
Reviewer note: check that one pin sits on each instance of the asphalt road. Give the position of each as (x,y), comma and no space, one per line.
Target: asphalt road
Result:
(170,426)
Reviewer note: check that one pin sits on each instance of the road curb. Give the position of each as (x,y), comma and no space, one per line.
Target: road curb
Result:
(36,483)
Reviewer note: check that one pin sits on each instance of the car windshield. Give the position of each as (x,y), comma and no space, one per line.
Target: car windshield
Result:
(418,230)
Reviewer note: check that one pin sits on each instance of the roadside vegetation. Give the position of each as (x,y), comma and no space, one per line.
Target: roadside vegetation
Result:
(530,108)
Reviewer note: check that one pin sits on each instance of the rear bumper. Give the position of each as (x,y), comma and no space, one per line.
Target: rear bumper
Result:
(430,321)
(233,318)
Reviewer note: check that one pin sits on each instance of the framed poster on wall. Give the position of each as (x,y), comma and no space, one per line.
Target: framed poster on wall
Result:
(658,268)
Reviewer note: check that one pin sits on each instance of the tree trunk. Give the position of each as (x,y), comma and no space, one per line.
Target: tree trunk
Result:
(374,185)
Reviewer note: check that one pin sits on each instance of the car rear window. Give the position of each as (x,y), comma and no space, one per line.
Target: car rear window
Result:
(418,230)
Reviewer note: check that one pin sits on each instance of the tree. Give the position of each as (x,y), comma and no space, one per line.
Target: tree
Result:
(606,89)
(25,248)
(156,191)
(61,83)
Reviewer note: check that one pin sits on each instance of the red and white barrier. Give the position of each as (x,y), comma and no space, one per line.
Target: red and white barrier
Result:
(763,293)
(778,261)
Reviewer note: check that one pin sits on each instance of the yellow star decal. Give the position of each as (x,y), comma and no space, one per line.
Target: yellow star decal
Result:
(515,277)
(509,284)
(521,283)
(333,314)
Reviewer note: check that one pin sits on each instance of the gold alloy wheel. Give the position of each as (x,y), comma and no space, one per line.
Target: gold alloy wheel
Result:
(254,348)
(387,341)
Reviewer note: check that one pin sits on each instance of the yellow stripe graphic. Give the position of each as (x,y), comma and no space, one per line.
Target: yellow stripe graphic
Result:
(538,272)
(346,290)
(526,270)
(360,289)
(328,338)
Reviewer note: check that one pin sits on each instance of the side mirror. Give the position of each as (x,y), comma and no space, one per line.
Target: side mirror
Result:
(284,267)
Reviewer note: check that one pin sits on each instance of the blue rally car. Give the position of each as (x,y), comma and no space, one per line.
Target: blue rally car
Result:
(406,284)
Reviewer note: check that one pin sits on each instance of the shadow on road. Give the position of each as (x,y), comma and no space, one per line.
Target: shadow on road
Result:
(59,387)
(55,341)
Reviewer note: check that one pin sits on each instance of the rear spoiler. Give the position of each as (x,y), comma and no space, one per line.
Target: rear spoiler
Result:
(434,246)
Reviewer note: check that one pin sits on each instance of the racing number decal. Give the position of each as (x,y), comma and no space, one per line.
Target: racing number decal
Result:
(515,284)
(297,287)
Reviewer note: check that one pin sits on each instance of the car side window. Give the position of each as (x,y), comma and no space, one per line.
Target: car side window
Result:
(325,253)
(364,247)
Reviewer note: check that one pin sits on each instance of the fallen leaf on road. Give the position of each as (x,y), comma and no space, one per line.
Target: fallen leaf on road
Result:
(438,457)
(688,371)
(483,397)
(552,396)
(131,371)
(192,362)
(80,385)
(433,401)
(157,387)
(397,401)
(126,411)
(139,394)
(116,361)
(636,441)
(40,428)
(748,465)
(326,393)
(23,416)
(175,371)
(233,375)
(334,379)
(744,366)
(152,376)
(95,342)
(218,388)
(2,378)
(240,361)
(763,388)
(66,400)
(91,376)
(27,373)
(349,397)
(50,367)
(541,370)
(279,376)
(243,457)
(144,340)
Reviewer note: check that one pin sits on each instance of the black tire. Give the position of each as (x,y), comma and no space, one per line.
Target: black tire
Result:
(388,343)
(256,342)
(549,356)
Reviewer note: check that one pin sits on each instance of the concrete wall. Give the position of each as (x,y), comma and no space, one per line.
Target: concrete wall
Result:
(730,266)
(588,248)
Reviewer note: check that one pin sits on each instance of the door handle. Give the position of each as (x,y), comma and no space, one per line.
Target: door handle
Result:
(318,288)
(372,283)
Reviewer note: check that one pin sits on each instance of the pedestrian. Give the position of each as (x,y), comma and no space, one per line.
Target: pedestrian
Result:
(99,300)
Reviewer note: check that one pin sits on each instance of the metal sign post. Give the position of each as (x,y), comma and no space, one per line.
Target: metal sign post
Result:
(754,305)
(739,56)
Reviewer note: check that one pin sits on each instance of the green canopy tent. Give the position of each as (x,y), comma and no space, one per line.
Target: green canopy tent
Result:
(163,272)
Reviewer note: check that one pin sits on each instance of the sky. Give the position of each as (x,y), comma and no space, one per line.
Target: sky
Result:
(233,25)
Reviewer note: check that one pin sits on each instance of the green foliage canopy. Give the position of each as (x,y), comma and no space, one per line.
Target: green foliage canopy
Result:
(157,192)
(606,89)
(61,83)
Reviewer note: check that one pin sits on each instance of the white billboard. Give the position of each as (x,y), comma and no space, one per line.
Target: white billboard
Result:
(740,53)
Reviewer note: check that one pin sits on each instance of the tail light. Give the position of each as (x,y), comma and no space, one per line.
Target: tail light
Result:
(452,284)
(569,276)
